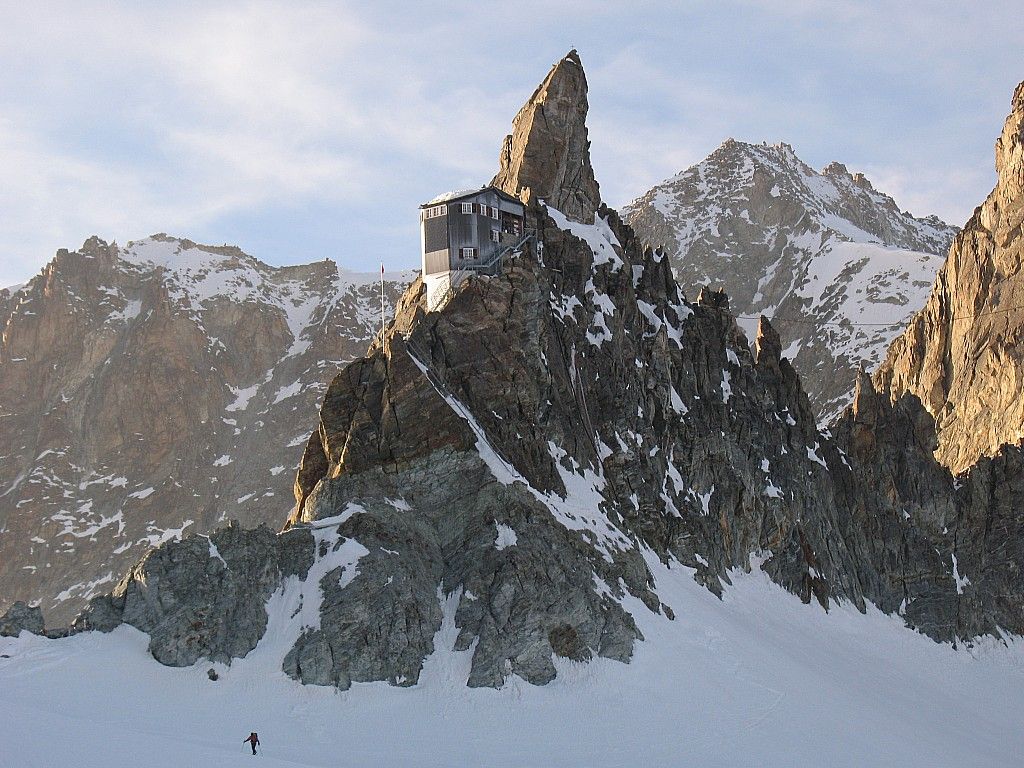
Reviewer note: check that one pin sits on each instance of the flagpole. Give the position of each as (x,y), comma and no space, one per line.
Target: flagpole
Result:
(382,301)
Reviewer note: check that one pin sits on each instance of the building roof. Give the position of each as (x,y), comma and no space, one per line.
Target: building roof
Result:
(461,194)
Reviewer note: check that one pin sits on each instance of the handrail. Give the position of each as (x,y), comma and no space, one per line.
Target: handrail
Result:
(498,255)
(443,299)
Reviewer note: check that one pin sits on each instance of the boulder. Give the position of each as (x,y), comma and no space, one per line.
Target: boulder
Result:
(21,617)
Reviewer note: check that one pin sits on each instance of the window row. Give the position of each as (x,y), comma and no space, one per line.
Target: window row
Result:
(437,210)
(480,208)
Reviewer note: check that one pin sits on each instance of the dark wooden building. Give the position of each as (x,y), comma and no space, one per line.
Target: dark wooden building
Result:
(468,230)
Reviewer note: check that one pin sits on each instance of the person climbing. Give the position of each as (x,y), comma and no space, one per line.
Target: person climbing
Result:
(253,741)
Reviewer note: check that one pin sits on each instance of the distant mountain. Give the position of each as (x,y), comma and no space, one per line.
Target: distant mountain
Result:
(158,388)
(816,252)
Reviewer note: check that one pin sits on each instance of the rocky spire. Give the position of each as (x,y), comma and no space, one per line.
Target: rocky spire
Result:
(547,155)
(962,355)
(865,413)
(768,346)
(1010,156)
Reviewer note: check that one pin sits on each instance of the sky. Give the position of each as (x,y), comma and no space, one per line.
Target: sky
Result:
(308,130)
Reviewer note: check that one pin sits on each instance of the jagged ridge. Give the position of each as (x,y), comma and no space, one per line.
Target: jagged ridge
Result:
(823,251)
(152,389)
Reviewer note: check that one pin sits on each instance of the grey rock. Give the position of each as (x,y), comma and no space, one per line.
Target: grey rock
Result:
(203,596)
(21,617)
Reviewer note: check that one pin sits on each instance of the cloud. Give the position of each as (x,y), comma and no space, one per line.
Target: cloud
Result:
(142,120)
(326,122)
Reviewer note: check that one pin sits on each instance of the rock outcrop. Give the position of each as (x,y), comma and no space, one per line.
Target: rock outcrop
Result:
(547,155)
(155,389)
(21,617)
(203,596)
(502,474)
(822,252)
(963,354)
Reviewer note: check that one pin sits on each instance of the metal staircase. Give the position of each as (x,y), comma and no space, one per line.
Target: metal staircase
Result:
(457,276)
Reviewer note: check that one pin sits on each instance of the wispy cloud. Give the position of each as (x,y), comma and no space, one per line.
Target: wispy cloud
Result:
(304,129)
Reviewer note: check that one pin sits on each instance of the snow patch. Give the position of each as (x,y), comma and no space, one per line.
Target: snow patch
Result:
(506,537)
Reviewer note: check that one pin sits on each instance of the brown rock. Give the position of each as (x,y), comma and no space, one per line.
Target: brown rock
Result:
(547,155)
(157,388)
(962,355)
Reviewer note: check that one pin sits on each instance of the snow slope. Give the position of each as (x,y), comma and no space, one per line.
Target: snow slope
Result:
(758,679)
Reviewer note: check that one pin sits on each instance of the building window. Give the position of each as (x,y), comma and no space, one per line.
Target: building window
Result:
(467,207)
(467,253)
(494,213)
(495,236)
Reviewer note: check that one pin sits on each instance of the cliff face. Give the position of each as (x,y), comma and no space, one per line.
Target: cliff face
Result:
(526,449)
(547,155)
(513,467)
(154,389)
(962,353)
(834,260)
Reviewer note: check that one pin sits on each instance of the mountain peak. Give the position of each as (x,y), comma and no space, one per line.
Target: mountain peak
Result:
(788,241)
(835,169)
(547,155)
(961,354)
(119,362)
(1010,152)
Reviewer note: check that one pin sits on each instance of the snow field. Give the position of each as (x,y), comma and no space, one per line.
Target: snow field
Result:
(757,679)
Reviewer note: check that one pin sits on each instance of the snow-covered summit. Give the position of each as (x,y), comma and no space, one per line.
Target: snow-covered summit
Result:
(818,251)
(207,271)
(848,204)
(304,294)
